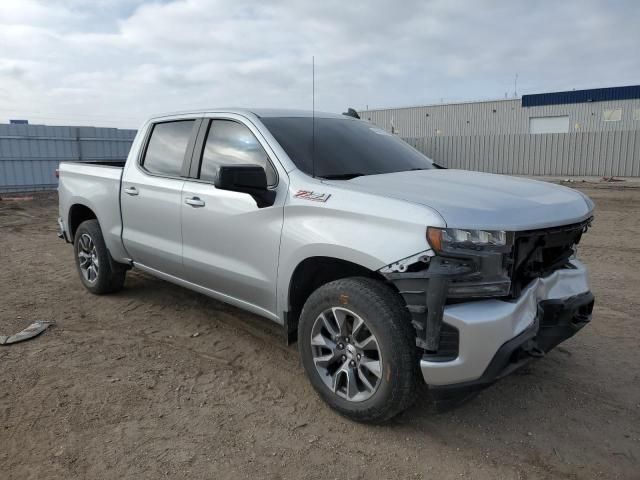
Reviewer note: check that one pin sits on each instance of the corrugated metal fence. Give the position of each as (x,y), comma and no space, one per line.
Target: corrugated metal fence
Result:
(30,154)
(579,154)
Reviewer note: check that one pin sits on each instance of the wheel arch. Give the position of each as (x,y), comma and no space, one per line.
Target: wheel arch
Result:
(78,213)
(309,275)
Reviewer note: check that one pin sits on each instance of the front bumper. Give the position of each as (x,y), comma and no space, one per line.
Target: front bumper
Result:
(557,321)
(496,337)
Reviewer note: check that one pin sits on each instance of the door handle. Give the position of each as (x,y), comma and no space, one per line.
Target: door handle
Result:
(195,202)
(131,191)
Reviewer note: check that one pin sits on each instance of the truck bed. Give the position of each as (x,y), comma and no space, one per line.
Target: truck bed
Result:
(96,185)
(118,164)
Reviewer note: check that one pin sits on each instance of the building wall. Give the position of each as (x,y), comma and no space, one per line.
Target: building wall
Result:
(30,154)
(612,153)
(500,117)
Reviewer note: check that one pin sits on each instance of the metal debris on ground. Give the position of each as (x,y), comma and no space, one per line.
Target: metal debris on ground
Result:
(35,329)
(16,199)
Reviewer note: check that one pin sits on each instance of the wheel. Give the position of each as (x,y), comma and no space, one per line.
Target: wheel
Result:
(357,346)
(98,272)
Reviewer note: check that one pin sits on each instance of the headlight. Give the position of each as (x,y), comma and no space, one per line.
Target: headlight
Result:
(452,239)
(484,251)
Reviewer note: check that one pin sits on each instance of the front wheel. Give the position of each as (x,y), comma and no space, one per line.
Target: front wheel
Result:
(98,272)
(358,348)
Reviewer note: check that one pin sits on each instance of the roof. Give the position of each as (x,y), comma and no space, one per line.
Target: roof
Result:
(539,99)
(442,104)
(582,96)
(259,112)
(270,112)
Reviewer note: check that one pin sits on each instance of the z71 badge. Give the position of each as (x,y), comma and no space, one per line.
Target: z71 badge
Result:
(313,196)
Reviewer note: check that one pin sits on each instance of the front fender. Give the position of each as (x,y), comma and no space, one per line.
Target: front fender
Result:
(289,263)
(364,229)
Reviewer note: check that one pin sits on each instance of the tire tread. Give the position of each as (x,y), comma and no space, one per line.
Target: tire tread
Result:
(111,275)
(396,321)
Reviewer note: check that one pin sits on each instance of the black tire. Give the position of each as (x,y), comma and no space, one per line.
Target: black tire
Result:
(387,318)
(110,275)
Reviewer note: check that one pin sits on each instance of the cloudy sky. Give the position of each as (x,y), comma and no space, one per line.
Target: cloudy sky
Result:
(113,62)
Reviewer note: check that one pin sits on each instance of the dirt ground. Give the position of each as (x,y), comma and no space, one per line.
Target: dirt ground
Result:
(158,381)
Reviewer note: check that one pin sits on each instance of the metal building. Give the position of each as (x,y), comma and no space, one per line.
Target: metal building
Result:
(583,132)
(30,154)
(551,112)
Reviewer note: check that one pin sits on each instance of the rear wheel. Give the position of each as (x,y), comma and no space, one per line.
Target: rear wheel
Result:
(357,347)
(98,272)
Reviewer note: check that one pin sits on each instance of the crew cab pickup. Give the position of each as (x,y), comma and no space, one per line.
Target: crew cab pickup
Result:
(388,269)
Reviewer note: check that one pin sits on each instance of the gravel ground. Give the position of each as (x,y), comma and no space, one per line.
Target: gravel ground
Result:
(158,381)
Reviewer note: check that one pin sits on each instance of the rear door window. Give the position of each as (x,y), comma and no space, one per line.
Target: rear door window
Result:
(167,146)
(232,143)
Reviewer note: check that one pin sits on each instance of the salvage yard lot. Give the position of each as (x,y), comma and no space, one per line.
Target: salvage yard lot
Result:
(159,381)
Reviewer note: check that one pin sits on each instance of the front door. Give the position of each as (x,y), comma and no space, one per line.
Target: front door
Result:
(230,245)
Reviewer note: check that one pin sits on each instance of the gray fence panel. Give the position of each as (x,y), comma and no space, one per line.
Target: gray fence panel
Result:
(30,154)
(613,153)
(635,153)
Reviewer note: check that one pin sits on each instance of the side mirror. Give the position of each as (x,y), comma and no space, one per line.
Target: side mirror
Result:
(251,179)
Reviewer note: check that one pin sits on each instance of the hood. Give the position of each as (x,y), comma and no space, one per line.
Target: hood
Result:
(468,199)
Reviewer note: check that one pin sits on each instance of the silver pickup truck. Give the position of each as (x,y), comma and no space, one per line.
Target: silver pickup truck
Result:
(389,270)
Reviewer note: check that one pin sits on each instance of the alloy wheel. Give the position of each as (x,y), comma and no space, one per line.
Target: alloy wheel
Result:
(88,258)
(346,354)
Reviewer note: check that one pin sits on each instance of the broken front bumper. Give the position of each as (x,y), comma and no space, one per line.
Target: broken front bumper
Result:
(497,337)
(480,341)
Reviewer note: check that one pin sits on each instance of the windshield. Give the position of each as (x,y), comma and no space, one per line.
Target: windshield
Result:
(344,148)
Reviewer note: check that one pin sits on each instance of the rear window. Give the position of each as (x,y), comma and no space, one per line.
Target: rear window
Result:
(167,146)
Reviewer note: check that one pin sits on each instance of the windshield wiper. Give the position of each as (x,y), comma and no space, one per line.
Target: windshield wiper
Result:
(341,176)
(435,165)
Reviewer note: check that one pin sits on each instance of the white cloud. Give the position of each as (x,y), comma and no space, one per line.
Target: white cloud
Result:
(116,61)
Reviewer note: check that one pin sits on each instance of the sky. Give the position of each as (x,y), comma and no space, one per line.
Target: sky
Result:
(115,62)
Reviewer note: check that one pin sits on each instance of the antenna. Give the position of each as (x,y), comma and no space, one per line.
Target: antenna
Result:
(313,116)
(515,87)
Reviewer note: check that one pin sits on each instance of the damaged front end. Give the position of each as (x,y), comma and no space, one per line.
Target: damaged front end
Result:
(496,271)
(455,271)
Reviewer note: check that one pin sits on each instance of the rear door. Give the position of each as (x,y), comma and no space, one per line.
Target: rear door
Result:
(230,245)
(152,196)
